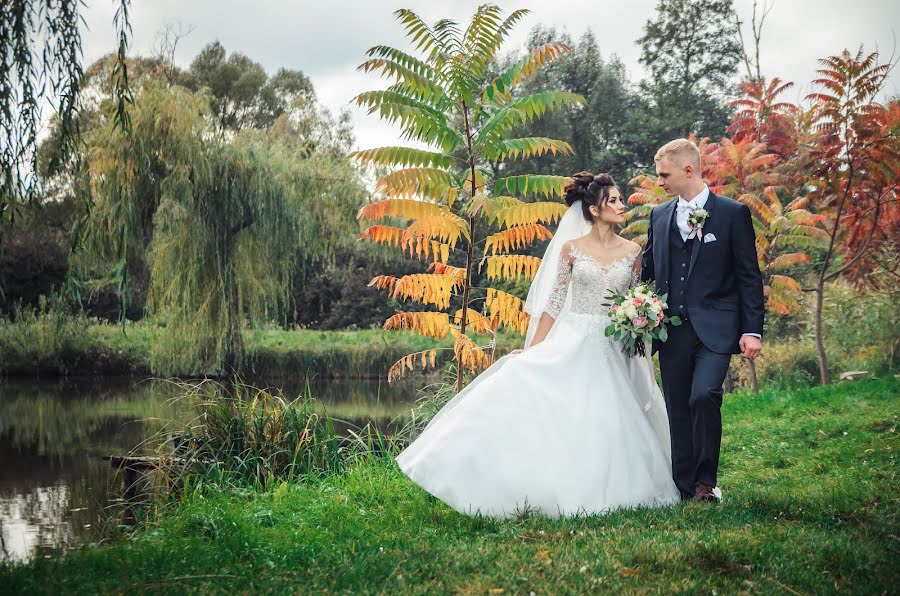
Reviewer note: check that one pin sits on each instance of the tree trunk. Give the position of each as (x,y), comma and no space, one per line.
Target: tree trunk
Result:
(820,340)
(469,249)
(233,359)
(465,299)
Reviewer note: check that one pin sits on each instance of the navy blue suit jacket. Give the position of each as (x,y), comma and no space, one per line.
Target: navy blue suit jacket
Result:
(724,287)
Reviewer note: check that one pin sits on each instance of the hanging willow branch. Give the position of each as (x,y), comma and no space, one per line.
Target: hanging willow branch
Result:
(41,61)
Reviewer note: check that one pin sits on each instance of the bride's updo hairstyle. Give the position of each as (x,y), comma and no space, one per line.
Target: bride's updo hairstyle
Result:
(590,190)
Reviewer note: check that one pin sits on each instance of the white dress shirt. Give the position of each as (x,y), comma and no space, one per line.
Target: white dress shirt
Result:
(685,208)
(681,216)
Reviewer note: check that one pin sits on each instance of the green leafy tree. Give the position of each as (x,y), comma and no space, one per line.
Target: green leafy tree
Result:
(594,129)
(241,94)
(691,50)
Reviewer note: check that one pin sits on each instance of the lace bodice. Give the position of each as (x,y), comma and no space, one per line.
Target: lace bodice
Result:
(591,281)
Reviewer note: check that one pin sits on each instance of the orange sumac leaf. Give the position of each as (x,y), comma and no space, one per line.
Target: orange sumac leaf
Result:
(508,309)
(468,354)
(511,266)
(426,288)
(547,212)
(444,269)
(405,208)
(475,321)
(446,228)
(410,362)
(788,259)
(383,235)
(515,237)
(383,281)
(435,325)
(786,282)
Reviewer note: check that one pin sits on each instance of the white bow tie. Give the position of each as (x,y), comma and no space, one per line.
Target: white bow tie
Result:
(686,205)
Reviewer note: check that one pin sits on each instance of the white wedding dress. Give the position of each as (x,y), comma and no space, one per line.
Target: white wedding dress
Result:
(569,426)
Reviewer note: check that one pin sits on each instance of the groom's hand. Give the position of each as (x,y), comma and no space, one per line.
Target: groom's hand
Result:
(750,346)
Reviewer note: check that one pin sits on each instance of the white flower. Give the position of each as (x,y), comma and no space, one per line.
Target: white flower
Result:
(695,221)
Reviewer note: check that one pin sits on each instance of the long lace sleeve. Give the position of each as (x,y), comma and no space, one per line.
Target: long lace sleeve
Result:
(557,297)
(636,270)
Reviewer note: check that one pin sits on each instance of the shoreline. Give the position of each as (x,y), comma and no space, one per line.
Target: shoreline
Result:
(776,528)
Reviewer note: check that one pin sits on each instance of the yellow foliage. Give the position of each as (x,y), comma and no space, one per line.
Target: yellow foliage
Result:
(479,181)
(476,321)
(426,288)
(405,208)
(508,309)
(546,212)
(788,259)
(383,281)
(425,358)
(786,282)
(443,269)
(441,251)
(780,300)
(422,248)
(435,325)
(446,228)
(383,235)
(511,266)
(515,237)
(481,203)
(468,354)
(407,183)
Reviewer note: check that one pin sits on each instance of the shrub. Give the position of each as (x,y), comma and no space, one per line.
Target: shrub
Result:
(244,436)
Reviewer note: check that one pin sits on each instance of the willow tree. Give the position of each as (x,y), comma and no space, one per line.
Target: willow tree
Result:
(221,221)
(444,99)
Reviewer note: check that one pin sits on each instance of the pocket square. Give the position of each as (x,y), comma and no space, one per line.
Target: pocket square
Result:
(709,238)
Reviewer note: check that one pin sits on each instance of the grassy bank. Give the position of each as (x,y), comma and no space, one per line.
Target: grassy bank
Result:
(811,506)
(51,345)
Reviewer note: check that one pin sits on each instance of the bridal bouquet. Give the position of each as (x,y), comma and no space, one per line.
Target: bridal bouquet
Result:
(637,316)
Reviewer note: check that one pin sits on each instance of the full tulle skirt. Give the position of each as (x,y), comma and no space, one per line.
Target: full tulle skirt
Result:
(571,426)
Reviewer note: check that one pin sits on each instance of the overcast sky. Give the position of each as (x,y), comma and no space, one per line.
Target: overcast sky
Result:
(328,39)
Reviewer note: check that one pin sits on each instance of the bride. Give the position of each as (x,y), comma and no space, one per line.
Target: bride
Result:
(569,425)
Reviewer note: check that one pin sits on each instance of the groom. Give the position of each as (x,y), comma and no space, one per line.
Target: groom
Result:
(706,263)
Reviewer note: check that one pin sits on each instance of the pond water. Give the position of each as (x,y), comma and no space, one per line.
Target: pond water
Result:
(55,486)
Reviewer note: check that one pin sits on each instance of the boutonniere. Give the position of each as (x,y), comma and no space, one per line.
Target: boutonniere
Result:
(695,221)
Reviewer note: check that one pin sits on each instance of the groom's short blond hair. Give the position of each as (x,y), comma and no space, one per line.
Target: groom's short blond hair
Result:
(679,151)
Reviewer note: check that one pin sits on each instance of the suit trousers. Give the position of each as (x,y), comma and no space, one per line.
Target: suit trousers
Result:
(692,377)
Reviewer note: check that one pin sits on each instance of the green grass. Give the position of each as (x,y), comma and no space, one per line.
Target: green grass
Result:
(811,506)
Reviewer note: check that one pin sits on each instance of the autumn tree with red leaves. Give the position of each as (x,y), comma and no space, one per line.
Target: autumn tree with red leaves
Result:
(852,165)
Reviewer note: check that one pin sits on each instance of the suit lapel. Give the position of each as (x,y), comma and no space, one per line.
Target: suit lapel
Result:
(698,242)
(669,217)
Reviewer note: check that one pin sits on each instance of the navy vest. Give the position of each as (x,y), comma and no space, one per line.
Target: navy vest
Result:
(679,263)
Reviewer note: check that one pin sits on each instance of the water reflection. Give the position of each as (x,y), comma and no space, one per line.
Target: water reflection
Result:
(54,484)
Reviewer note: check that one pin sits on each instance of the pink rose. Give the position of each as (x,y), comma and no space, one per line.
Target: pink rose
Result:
(639,322)
(614,308)
(637,302)
(659,316)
